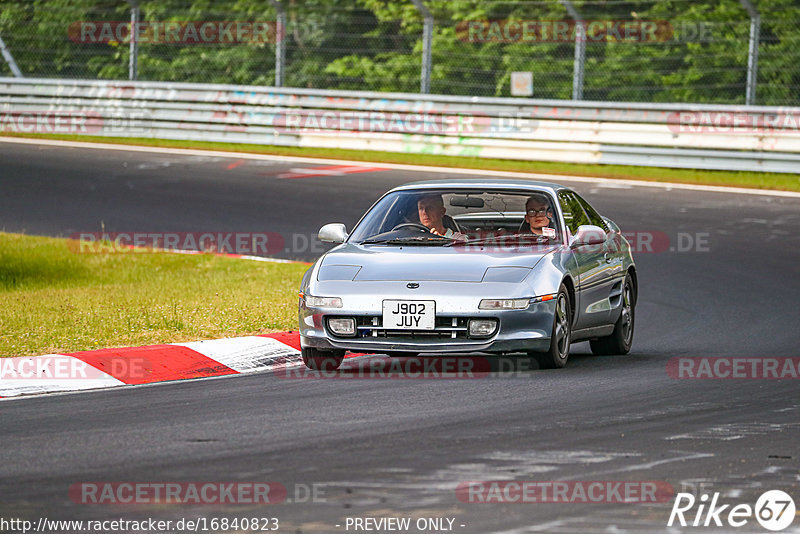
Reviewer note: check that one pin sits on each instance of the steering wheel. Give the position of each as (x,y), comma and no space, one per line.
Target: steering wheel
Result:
(412,225)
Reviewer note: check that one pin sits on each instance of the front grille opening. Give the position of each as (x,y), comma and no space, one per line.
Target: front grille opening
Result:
(446,328)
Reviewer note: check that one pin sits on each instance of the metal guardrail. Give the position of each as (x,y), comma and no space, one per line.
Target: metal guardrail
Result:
(752,138)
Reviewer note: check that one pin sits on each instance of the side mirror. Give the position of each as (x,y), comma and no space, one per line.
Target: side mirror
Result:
(588,234)
(333,233)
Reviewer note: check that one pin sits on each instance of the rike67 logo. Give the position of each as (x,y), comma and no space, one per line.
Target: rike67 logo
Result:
(774,510)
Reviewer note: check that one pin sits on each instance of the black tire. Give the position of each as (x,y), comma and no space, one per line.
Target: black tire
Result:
(557,355)
(621,339)
(322,360)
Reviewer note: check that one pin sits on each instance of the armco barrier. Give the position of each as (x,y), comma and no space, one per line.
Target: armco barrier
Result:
(752,138)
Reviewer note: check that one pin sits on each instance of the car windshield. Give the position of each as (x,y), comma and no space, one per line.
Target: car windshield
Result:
(450,217)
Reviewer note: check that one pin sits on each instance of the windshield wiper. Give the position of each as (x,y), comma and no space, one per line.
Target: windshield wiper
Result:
(508,239)
(421,240)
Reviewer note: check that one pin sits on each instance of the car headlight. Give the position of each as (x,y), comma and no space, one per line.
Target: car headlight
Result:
(503,304)
(322,302)
(482,327)
(342,326)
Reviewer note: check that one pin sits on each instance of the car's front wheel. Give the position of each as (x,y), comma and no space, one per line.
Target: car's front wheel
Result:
(621,339)
(322,360)
(558,354)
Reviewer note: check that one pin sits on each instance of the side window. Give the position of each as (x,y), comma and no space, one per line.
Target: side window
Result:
(574,215)
(594,217)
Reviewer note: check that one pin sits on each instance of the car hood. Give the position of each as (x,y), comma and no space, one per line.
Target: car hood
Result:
(427,263)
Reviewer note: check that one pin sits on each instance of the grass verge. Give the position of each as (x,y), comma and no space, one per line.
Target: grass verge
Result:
(54,300)
(756,180)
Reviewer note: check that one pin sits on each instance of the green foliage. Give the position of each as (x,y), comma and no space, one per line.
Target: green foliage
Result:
(376,45)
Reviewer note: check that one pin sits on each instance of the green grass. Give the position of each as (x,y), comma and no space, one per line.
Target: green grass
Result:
(53,299)
(756,180)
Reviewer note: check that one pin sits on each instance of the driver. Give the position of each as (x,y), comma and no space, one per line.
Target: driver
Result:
(538,214)
(431,214)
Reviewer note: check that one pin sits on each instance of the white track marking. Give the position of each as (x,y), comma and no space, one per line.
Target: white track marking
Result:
(639,467)
(239,256)
(246,354)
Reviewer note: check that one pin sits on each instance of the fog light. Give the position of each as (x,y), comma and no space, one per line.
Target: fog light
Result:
(503,304)
(342,326)
(482,327)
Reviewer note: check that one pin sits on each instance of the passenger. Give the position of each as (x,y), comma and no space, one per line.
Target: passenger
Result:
(538,216)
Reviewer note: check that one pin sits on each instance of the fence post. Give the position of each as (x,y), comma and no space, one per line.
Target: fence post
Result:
(133,56)
(752,52)
(10,60)
(427,43)
(580,50)
(280,42)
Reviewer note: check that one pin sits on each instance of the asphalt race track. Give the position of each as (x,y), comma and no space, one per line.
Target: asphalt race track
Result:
(400,448)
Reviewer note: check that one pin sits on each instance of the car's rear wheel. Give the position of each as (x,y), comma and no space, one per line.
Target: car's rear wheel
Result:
(322,360)
(558,354)
(621,339)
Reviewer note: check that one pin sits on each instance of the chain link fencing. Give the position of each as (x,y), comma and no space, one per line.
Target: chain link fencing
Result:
(606,50)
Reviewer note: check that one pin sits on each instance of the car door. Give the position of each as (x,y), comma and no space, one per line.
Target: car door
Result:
(613,253)
(594,265)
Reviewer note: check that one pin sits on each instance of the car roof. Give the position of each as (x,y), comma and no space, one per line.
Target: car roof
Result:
(483,183)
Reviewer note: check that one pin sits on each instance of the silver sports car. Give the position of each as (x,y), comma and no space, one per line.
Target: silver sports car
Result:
(459,266)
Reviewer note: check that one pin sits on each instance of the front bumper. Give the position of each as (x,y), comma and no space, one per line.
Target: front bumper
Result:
(518,330)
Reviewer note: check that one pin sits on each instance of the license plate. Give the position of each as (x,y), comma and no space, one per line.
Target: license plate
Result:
(409,314)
